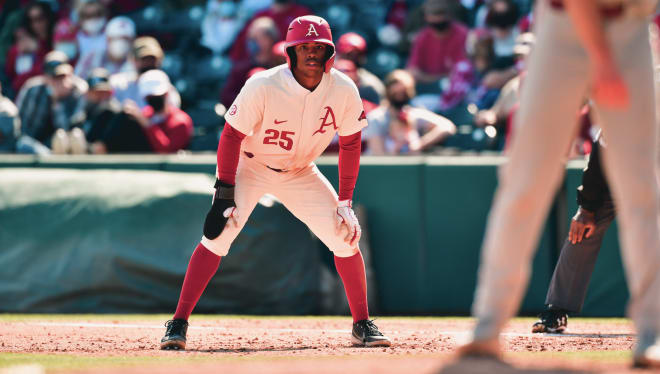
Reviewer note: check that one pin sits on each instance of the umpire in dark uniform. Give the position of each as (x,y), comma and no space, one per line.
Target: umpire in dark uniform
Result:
(595,213)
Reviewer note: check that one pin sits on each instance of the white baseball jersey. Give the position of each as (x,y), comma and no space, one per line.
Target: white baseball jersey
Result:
(288,126)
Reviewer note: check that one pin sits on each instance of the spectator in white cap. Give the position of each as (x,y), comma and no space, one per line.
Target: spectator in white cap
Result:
(146,55)
(167,127)
(119,34)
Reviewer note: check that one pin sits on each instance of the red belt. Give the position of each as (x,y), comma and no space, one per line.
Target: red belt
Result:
(614,11)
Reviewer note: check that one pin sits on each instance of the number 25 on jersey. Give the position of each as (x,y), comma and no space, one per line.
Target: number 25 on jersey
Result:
(282,138)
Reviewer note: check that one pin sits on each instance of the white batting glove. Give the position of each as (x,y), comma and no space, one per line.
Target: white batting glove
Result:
(346,217)
(232,216)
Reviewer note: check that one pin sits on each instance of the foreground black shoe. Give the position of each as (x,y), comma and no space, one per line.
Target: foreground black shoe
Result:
(175,335)
(552,321)
(366,334)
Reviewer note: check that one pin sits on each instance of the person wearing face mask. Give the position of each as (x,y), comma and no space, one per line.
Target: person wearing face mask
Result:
(221,25)
(168,128)
(146,55)
(396,127)
(119,34)
(51,108)
(438,46)
(501,21)
(92,17)
(282,12)
(262,37)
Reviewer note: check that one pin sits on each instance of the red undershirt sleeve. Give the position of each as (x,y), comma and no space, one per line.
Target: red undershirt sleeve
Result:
(349,164)
(229,150)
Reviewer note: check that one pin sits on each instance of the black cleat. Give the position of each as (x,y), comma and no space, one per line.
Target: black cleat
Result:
(366,334)
(552,321)
(175,335)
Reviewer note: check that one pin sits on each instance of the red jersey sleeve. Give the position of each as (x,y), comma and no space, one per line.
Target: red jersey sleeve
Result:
(229,150)
(349,164)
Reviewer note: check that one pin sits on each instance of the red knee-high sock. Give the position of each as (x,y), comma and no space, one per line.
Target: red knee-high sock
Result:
(351,271)
(201,268)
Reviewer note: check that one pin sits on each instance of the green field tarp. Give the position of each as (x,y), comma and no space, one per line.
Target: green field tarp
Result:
(119,241)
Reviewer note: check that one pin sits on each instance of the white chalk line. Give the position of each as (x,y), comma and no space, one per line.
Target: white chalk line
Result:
(609,335)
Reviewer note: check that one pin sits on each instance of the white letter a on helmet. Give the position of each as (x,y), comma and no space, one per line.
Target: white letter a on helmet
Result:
(311,30)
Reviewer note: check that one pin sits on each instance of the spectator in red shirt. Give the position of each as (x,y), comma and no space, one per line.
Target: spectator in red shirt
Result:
(282,12)
(261,39)
(439,45)
(32,41)
(168,128)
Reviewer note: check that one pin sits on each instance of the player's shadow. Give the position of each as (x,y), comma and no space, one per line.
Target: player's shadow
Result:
(474,365)
(253,350)
(587,335)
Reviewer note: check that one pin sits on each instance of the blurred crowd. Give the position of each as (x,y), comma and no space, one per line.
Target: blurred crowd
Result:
(140,76)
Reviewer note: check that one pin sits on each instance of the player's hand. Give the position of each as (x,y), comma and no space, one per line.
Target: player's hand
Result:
(223,211)
(608,87)
(582,226)
(346,217)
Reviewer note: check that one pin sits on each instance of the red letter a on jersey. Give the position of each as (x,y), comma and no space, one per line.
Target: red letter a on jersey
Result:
(328,113)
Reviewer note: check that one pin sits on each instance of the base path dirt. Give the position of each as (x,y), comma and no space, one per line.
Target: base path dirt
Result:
(319,345)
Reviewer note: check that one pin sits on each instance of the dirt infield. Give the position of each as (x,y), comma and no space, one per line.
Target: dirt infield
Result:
(319,345)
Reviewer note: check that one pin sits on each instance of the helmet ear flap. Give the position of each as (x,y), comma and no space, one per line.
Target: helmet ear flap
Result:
(291,52)
(329,51)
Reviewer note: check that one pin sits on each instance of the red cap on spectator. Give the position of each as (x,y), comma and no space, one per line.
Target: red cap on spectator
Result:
(351,42)
(278,49)
(65,30)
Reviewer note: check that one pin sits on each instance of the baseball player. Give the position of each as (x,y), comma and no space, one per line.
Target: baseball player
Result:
(281,121)
(577,258)
(600,48)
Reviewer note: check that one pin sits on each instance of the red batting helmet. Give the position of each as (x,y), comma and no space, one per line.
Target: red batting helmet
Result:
(307,29)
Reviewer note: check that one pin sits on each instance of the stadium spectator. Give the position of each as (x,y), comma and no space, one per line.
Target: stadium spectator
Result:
(107,127)
(65,40)
(261,38)
(167,127)
(147,55)
(439,46)
(32,40)
(282,12)
(39,20)
(101,108)
(119,33)
(499,114)
(221,25)
(24,60)
(9,125)
(348,67)
(51,108)
(501,22)
(92,18)
(353,47)
(398,128)
(482,57)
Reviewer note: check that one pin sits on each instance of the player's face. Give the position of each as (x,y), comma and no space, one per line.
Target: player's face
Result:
(310,57)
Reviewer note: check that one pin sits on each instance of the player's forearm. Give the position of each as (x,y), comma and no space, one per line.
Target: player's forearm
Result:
(229,151)
(349,164)
(588,24)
